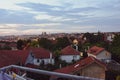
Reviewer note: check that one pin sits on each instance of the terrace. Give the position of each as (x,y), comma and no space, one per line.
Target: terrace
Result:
(52,75)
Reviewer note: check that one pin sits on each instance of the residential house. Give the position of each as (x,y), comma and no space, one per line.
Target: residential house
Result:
(69,54)
(99,53)
(23,57)
(41,55)
(37,56)
(88,67)
(110,37)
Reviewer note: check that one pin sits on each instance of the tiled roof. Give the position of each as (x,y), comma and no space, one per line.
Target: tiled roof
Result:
(79,65)
(95,50)
(40,52)
(32,66)
(9,57)
(69,51)
(13,44)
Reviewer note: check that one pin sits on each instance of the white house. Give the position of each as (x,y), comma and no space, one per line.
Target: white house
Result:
(110,37)
(99,53)
(69,54)
(40,55)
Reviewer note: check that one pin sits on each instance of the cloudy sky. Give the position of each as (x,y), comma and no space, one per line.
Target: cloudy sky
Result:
(55,16)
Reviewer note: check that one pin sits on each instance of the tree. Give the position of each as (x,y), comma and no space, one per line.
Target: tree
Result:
(5,48)
(20,44)
(34,43)
(94,38)
(62,42)
(115,48)
(57,55)
(45,43)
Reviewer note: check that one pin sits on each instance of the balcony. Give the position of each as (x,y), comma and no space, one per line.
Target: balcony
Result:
(9,71)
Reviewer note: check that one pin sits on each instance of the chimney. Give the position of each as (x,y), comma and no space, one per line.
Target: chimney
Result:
(76,47)
(60,66)
(51,58)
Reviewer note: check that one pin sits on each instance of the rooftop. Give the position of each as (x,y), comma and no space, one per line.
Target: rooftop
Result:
(69,51)
(95,50)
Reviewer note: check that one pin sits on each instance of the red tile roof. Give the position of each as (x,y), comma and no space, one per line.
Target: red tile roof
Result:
(6,58)
(13,57)
(79,65)
(32,66)
(9,57)
(69,51)
(13,44)
(95,50)
(23,55)
(40,52)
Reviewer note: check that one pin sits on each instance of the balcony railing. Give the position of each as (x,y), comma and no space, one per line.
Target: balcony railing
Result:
(49,73)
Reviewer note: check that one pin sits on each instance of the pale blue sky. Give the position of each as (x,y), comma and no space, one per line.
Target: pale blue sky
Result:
(51,16)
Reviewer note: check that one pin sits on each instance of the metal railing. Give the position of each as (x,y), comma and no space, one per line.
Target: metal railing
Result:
(49,73)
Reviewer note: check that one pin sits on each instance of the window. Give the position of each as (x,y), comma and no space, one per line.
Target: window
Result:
(38,60)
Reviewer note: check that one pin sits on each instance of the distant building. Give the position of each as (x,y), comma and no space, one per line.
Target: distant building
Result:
(109,37)
(89,67)
(69,54)
(99,53)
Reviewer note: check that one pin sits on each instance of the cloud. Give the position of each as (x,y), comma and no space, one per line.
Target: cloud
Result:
(16,29)
(28,26)
(7,26)
(52,18)
(25,16)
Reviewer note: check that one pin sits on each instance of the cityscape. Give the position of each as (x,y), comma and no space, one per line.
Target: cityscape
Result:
(69,53)
(60,40)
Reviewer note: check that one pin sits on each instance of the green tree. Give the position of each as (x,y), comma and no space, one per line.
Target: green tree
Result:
(94,38)
(34,44)
(7,48)
(115,48)
(62,42)
(20,44)
(57,55)
(45,43)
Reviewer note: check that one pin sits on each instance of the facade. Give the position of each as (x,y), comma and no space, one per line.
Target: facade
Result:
(41,56)
(69,54)
(49,60)
(70,58)
(99,53)
(23,57)
(93,70)
(88,67)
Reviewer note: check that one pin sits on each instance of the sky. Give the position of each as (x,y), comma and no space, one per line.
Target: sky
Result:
(18,17)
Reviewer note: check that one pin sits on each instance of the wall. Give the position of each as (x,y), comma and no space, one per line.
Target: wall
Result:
(69,58)
(46,61)
(104,55)
(93,70)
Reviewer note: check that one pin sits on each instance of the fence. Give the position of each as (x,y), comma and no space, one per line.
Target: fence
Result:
(49,73)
